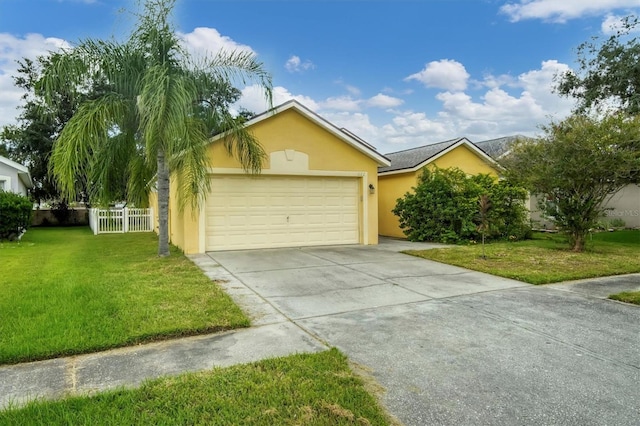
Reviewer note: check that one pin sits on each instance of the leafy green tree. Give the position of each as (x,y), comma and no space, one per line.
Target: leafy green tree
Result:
(608,72)
(575,166)
(443,207)
(155,116)
(30,141)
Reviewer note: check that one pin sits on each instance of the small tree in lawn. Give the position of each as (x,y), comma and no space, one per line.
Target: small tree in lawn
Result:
(484,206)
(575,166)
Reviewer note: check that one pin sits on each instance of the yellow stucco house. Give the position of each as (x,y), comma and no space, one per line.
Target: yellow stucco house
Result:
(317,187)
(406,166)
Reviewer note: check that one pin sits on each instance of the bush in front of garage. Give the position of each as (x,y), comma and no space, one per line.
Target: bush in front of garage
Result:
(444,207)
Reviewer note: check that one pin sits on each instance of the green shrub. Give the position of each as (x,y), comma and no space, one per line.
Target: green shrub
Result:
(617,223)
(15,215)
(444,207)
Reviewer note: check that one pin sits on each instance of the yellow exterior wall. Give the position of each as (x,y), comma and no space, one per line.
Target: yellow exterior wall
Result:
(153,203)
(466,160)
(287,130)
(394,186)
(180,224)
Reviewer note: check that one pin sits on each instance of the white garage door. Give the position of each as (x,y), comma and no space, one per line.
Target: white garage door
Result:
(275,211)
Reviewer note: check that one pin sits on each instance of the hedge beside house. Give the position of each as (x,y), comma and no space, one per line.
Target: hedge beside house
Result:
(15,215)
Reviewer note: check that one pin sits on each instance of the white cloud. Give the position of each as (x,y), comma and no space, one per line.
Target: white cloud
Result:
(501,113)
(445,74)
(384,101)
(496,106)
(357,123)
(409,129)
(341,103)
(253,99)
(561,11)
(614,23)
(295,64)
(352,90)
(207,42)
(13,49)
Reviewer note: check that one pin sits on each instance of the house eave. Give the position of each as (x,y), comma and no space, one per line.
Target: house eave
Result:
(25,178)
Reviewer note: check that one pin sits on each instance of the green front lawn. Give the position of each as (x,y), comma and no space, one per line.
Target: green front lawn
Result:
(66,291)
(317,389)
(546,259)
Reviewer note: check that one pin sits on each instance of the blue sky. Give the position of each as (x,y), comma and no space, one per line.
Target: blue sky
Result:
(398,73)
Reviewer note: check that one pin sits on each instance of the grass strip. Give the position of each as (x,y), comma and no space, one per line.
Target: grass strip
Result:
(66,291)
(546,258)
(627,297)
(304,389)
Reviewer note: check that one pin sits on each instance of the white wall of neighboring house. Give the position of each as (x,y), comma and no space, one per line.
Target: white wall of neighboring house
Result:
(14,177)
(623,205)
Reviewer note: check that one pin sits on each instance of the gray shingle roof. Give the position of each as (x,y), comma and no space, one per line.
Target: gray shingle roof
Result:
(410,158)
(496,148)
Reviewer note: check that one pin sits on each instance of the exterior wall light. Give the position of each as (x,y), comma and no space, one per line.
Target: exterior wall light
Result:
(372,189)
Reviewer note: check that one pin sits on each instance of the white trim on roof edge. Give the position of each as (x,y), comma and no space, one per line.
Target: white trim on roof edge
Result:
(13,164)
(325,124)
(462,141)
(23,171)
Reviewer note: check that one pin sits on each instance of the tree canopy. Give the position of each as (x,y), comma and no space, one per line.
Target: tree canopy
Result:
(157,109)
(608,73)
(575,166)
(30,141)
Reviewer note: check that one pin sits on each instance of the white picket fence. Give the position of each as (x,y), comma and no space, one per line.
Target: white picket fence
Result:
(122,220)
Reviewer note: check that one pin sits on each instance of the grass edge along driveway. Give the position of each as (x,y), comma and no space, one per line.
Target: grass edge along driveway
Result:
(299,389)
(65,291)
(546,259)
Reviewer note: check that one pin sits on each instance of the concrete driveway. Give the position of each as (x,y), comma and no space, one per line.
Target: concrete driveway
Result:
(452,346)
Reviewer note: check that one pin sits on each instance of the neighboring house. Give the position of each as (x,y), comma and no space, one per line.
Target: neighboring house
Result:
(624,204)
(318,186)
(398,178)
(14,177)
(499,147)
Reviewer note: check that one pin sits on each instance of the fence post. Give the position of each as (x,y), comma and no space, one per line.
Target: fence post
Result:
(125,220)
(152,224)
(93,220)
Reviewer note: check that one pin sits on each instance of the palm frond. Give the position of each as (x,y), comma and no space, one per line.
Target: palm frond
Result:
(240,66)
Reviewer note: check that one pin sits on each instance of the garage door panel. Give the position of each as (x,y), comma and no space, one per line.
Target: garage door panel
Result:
(270,211)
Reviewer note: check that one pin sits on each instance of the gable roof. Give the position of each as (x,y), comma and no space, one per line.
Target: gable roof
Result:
(21,171)
(342,134)
(499,147)
(414,159)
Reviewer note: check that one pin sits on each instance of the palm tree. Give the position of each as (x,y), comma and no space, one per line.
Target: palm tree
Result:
(152,116)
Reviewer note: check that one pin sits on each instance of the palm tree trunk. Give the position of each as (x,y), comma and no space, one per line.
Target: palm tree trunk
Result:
(163,206)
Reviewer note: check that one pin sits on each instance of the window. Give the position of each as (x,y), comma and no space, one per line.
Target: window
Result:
(5,183)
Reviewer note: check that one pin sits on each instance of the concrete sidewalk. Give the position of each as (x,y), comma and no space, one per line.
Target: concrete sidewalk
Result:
(271,336)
